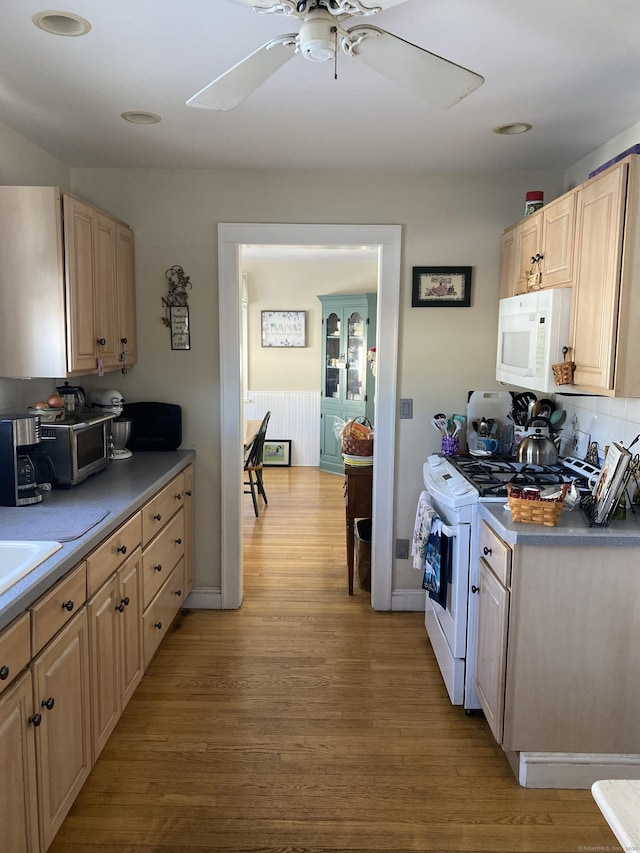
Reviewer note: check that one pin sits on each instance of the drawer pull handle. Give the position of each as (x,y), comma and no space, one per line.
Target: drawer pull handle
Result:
(157,517)
(158,568)
(188,493)
(158,625)
(101,342)
(178,497)
(178,592)
(122,549)
(48,703)
(36,719)
(475,588)
(68,605)
(178,541)
(486,551)
(4,673)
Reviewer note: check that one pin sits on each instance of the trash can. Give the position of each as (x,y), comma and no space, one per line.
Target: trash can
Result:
(363,553)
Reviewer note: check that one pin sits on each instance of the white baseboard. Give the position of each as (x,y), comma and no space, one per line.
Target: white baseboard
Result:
(407,599)
(571,769)
(204,598)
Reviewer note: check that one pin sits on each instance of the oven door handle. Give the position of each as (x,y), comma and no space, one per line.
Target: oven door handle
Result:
(449,531)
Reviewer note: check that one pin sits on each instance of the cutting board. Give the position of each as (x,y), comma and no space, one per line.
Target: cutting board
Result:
(486,404)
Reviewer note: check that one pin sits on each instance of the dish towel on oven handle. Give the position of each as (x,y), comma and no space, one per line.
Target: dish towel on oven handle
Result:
(425,513)
(438,560)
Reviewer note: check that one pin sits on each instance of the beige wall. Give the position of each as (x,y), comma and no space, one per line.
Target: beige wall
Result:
(294,285)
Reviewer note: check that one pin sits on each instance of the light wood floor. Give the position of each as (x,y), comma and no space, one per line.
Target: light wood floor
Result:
(306,722)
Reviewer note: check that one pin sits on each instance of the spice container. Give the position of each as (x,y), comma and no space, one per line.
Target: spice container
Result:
(533,201)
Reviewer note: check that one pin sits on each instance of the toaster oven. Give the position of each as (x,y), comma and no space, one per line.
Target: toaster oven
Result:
(77,446)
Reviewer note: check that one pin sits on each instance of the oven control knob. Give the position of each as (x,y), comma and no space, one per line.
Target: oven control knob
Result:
(460,487)
(434,460)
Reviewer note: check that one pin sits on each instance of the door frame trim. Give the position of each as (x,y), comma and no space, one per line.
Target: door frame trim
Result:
(231,238)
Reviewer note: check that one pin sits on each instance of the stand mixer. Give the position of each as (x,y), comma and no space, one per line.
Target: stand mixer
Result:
(112,401)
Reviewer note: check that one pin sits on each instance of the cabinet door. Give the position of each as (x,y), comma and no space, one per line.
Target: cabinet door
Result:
(129,609)
(63,739)
(330,444)
(189,535)
(491,654)
(333,355)
(126,317)
(558,227)
(356,366)
(598,258)
(105,665)
(528,244)
(105,296)
(79,240)
(508,278)
(18,803)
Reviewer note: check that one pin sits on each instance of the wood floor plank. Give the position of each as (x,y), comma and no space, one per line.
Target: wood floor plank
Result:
(306,723)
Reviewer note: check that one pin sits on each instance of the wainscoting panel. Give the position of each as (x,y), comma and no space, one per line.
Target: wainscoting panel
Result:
(294,415)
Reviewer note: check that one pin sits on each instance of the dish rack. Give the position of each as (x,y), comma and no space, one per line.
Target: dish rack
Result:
(534,509)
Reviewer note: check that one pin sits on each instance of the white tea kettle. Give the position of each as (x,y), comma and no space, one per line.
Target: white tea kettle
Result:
(537,448)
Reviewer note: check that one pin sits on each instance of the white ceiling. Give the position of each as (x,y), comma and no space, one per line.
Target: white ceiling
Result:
(569,67)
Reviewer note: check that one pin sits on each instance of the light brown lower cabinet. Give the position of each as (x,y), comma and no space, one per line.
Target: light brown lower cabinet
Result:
(69,666)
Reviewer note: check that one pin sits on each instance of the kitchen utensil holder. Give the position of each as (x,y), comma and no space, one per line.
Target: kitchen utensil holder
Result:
(536,510)
(450,445)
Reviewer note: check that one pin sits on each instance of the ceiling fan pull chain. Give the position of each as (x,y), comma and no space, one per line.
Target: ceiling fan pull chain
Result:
(335,54)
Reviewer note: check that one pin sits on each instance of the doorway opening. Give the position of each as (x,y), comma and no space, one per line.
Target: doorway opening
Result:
(387,240)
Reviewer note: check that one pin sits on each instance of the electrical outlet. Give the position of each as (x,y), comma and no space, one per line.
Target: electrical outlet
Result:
(402,549)
(581,441)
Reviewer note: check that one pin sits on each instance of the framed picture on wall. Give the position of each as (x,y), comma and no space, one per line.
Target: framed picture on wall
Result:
(277,453)
(284,328)
(446,287)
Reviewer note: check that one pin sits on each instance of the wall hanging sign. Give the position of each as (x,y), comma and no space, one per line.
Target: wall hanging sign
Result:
(176,310)
(445,287)
(284,328)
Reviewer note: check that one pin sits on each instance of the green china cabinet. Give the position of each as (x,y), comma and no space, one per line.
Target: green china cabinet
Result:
(348,385)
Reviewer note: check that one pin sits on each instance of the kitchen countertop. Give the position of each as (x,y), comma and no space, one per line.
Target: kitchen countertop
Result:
(571,529)
(120,489)
(619,802)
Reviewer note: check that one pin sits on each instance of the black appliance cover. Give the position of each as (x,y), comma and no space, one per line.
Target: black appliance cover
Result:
(156,426)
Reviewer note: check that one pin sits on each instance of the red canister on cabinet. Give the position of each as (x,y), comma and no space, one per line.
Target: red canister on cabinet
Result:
(534,201)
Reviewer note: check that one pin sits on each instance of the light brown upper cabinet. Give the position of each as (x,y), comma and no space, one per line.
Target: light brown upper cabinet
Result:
(67,299)
(538,251)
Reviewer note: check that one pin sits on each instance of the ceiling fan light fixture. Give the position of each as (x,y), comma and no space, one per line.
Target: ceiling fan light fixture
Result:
(61,23)
(512,129)
(317,40)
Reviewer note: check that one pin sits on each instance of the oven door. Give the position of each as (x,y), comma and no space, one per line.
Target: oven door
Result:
(90,450)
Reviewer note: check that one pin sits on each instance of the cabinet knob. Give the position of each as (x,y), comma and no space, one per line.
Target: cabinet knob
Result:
(475,588)
(486,551)
(178,541)
(120,607)
(101,342)
(158,568)
(157,517)
(68,605)
(178,592)
(188,493)
(124,341)
(125,601)
(48,703)
(36,719)
(157,625)
(178,497)
(122,549)
(4,673)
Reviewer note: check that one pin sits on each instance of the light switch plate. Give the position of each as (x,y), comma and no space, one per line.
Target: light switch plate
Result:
(406,408)
(402,549)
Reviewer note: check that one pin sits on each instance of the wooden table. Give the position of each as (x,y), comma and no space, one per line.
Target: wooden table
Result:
(251,428)
(358,488)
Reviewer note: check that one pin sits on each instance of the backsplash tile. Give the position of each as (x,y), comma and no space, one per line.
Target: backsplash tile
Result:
(17,394)
(604,419)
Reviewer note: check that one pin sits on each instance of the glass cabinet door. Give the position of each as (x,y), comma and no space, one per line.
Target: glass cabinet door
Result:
(333,356)
(356,358)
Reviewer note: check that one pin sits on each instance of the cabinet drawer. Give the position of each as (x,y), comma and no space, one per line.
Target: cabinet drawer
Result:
(161,612)
(159,558)
(15,649)
(54,609)
(109,556)
(497,554)
(161,507)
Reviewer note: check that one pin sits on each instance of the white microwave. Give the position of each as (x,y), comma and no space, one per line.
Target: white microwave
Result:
(532,330)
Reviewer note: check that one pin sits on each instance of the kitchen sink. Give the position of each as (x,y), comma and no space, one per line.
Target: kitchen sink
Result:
(17,559)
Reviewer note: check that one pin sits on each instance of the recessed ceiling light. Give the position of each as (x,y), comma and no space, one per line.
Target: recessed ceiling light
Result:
(512,129)
(61,23)
(140,117)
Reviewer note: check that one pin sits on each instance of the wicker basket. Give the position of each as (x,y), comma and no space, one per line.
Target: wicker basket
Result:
(545,511)
(563,373)
(352,441)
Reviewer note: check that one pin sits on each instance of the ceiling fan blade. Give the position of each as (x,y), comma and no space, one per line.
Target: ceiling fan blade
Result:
(232,87)
(437,80)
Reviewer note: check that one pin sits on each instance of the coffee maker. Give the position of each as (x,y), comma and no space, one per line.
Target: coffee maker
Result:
(19,435)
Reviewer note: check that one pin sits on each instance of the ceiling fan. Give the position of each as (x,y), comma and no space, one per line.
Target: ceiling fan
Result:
(437,80)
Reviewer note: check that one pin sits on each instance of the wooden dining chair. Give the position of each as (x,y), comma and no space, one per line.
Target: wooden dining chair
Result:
(253,465)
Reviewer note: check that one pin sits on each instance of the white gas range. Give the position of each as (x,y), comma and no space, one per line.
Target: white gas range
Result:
(455,486)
